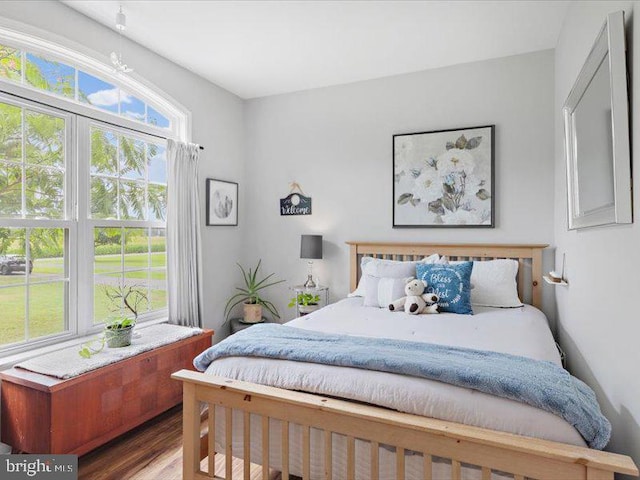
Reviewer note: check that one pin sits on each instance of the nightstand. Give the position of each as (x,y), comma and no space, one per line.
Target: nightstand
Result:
(237,324)
(320,290)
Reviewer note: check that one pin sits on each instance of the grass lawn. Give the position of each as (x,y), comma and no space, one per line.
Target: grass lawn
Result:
(46,311)
(46,301)
(105,264)
(132,261)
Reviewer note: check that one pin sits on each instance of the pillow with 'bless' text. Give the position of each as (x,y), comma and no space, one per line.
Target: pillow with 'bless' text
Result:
(452,283)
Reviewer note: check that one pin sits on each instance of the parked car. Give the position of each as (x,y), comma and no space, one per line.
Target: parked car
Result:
(14,263)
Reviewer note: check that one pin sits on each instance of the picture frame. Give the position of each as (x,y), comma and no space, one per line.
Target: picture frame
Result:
(596,131)
(222,203)
(444,178)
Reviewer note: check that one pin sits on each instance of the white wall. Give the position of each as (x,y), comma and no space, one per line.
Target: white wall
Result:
(217,119)
(597,313)
(336,143)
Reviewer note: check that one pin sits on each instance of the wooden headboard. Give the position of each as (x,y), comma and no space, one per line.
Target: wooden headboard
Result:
(528,256)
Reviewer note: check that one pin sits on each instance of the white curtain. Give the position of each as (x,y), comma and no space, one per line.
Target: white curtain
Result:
(183,234)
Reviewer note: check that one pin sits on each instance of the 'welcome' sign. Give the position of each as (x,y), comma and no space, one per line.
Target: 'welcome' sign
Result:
(295,204)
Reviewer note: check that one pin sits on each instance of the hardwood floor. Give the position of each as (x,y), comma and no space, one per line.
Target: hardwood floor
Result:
(152,451)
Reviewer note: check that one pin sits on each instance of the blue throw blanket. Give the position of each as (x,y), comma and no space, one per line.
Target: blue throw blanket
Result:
(538,383)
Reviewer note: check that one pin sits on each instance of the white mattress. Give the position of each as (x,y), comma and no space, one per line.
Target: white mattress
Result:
(521,331)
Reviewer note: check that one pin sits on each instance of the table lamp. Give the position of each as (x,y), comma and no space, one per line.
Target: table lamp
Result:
(311,248)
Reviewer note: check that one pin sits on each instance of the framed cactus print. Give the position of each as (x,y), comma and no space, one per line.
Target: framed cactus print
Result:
(222,203)
(444,178)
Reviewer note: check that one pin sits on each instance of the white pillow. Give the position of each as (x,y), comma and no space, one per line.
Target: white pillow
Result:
(494,283)
(381,268)
(380,292)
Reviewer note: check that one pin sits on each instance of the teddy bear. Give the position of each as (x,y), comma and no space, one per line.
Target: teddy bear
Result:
(415,301)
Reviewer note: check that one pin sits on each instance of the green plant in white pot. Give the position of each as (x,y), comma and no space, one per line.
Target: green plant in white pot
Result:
(250,295)
(119,329)
(307,302)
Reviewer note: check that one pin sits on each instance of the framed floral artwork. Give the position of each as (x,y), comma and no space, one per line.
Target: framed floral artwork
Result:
(444,178)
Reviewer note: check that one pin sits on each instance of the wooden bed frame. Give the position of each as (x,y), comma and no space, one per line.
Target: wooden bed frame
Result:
(522,457)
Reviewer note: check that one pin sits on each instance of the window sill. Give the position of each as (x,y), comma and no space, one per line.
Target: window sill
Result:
(12,360)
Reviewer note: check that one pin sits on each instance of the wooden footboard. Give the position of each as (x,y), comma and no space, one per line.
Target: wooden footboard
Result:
(489,450)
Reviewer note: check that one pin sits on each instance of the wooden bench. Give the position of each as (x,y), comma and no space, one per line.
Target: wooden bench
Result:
(43,414)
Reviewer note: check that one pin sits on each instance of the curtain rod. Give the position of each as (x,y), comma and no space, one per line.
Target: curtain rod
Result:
(164,138)
(150,134)
(159,136)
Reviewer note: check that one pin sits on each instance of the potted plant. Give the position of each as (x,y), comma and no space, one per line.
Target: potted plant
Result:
(250,296)
(118,329)
(307,302)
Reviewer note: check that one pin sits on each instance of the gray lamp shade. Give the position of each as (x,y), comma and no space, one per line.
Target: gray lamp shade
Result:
(311,246)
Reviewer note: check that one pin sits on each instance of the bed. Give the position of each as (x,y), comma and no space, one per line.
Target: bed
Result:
(335,432)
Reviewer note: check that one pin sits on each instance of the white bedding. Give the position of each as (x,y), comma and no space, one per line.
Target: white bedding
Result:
(521,331)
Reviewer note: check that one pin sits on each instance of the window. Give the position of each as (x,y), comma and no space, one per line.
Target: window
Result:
(97,92)
(82,196)
(34,262)
(42,72)
(10,63)
(129,256)
(128,177)
(128,187)
(49,75)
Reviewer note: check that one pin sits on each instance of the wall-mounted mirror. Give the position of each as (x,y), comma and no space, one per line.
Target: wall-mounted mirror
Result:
(596,120)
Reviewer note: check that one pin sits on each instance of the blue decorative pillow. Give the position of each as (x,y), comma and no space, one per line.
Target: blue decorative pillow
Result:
(452,283)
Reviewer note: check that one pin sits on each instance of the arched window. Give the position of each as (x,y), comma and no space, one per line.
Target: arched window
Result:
(83,190)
